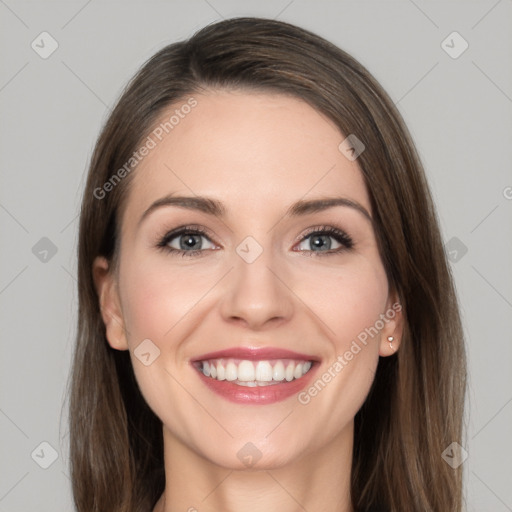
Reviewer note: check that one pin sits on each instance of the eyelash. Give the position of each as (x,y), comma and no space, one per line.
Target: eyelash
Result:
(340,236)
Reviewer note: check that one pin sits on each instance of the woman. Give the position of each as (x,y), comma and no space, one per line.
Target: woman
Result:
(267,319)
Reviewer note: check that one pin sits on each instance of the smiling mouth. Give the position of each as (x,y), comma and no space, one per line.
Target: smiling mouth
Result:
(243,372)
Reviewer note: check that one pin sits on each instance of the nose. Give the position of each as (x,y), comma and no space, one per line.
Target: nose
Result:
(257,294)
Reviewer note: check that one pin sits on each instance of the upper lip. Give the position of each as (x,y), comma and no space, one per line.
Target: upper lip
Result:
(255,354)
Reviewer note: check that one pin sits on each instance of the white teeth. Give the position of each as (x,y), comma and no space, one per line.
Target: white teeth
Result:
(246,371)
(248,384)
(263,371)
(255,373)
(221,372)
(278,372)
(288,373)
(231,371)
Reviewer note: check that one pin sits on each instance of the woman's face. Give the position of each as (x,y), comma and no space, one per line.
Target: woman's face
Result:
(256,294)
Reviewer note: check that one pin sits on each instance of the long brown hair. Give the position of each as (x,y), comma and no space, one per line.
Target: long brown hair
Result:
(415,407)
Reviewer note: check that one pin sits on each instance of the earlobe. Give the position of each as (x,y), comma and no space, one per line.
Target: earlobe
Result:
(109,303)
(392,332)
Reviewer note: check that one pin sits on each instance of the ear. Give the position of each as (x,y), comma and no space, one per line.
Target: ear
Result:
(393,326)
(110,305)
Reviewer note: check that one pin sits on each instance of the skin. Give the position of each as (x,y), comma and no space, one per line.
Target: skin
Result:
(257,153)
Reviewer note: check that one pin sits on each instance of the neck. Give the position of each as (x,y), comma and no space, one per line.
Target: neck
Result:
(317,481)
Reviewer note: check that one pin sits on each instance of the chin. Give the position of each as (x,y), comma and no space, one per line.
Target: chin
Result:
(257,456)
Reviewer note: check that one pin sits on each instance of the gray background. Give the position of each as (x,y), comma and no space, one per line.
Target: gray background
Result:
(458,110)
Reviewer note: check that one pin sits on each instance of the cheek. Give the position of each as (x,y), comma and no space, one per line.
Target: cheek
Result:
(156,297)
(157,302)
(348,299)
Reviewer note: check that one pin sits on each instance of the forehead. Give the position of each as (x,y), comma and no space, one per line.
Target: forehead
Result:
(249,150)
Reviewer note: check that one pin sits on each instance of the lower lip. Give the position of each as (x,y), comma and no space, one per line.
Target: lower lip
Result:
(258,395)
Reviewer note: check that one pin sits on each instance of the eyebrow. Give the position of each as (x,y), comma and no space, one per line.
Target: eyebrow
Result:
(216,208)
